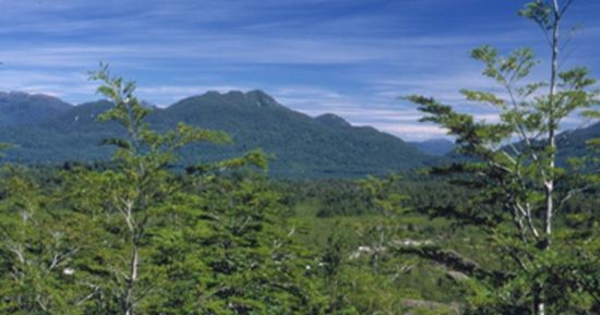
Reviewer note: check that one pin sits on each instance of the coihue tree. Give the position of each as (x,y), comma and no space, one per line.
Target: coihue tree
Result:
(515,167)
(140,188)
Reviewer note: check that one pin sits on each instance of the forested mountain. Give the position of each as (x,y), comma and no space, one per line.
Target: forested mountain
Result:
(300,145)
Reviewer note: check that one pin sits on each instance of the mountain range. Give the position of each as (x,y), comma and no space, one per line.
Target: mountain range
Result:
(47,130)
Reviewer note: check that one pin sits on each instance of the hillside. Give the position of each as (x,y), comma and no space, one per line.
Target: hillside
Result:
(326,146)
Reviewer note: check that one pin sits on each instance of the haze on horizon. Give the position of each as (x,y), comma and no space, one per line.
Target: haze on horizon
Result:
(348,57)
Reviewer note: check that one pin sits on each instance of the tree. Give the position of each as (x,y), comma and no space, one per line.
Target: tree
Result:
(142,186)
(516,169)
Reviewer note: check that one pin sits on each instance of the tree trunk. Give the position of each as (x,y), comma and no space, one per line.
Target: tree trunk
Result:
(128,298)
(540,306)
(540,309)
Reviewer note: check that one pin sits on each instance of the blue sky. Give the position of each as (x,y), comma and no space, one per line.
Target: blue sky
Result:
(349,57)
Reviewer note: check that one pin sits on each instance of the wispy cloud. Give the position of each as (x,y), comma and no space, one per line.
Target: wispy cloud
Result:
(414,132)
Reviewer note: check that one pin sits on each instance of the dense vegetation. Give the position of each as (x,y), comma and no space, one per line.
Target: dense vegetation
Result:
(238,243)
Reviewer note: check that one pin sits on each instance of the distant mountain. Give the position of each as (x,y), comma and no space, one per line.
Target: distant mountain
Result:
(18,108)
(434,147)
(573,142)
(303,146)
(570,143)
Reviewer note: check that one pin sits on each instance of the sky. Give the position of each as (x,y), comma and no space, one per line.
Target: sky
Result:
(353,58)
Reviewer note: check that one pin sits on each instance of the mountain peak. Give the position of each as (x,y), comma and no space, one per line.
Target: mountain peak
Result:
(232,98)
(261,98)
(332,120)
(18,108)
(18,98)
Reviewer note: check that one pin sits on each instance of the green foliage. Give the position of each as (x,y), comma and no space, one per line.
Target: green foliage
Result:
(253,265)
(41,244)
(223,245)
(226,244)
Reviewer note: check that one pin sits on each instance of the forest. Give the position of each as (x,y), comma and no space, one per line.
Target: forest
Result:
(510,227)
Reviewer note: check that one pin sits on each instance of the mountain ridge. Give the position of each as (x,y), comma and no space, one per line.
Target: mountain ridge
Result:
(304,146)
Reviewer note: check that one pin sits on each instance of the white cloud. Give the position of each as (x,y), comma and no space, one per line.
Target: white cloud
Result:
(410,132)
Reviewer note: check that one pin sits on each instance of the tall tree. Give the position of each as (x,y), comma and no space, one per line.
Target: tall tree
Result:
(516,169)
(142,185)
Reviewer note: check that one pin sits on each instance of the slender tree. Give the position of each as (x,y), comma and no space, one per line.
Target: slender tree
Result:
(516,165)
(142,185)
